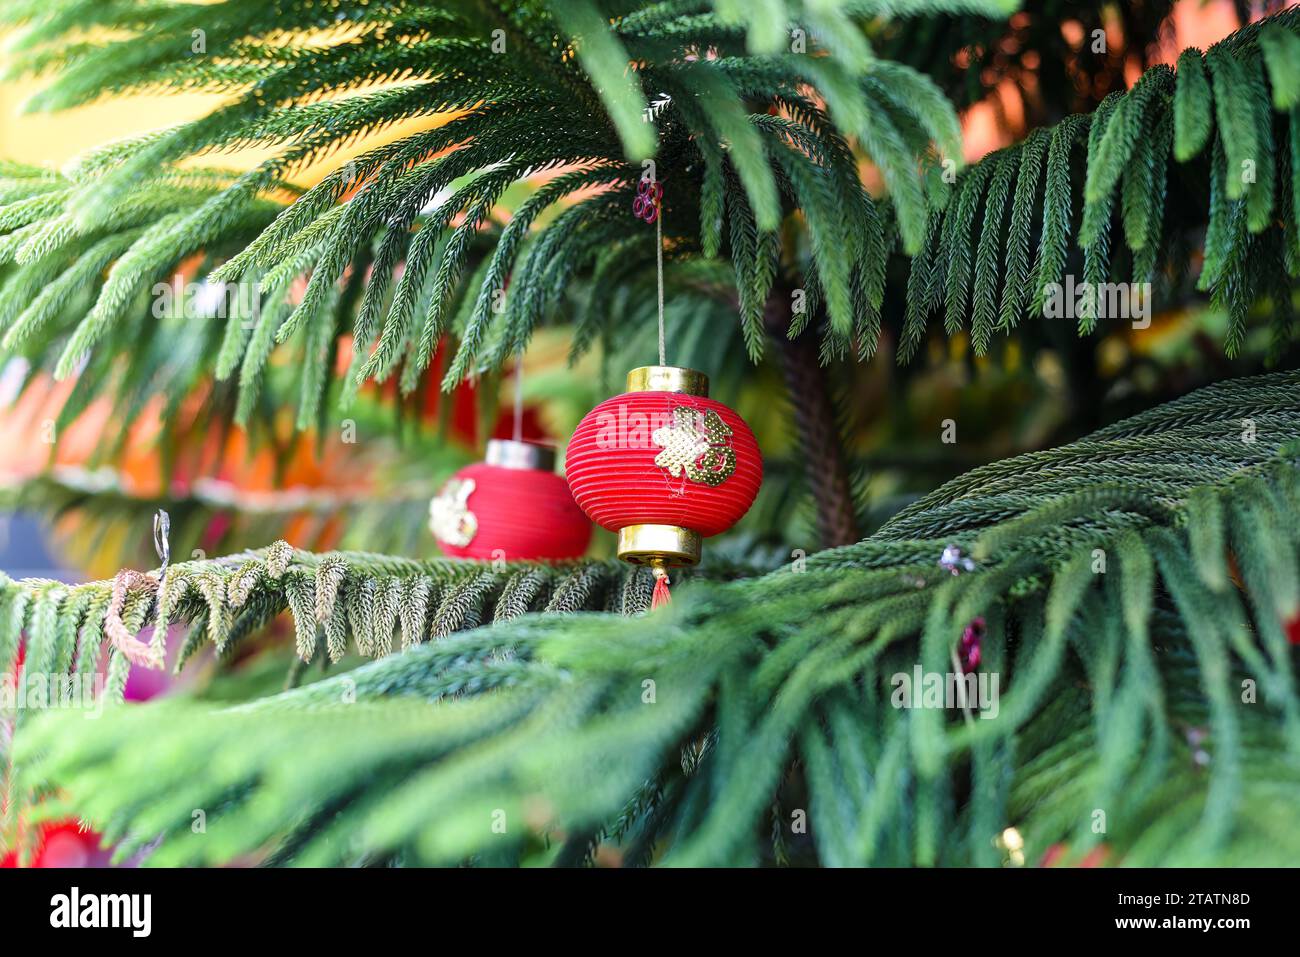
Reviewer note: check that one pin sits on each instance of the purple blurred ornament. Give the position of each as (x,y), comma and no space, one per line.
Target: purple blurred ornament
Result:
(953,560)
(968,651)
(649,195)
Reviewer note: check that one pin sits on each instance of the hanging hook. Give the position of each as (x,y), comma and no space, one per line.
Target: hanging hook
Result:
(162,526)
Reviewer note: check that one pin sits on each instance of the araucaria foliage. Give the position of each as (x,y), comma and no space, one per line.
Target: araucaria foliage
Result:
(1136,591)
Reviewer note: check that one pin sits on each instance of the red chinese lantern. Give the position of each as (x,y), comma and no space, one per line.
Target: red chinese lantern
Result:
(511,506)
(63,844)
(664,466)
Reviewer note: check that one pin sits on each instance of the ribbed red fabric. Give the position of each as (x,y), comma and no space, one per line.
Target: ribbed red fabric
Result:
(525,513)
(611,470)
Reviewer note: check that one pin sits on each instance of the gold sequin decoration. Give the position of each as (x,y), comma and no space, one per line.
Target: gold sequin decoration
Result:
(450,519)
(697,443)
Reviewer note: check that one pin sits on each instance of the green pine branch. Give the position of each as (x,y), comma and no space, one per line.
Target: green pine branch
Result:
(561,88)
(1202,155)
(1112,197)
(365,596)
(1136,588)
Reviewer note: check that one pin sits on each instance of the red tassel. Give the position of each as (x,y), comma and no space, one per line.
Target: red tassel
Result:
(660,597)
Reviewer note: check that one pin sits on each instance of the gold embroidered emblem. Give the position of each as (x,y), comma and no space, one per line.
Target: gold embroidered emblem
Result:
(450,519)
(697,443)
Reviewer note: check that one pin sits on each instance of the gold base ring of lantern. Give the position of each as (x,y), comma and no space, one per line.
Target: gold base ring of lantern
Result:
(659,545)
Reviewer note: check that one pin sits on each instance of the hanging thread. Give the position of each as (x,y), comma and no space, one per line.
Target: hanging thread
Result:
(648,205)
(519,397)
(659,275)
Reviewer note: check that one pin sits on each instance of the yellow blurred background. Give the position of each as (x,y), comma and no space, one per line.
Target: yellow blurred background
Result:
(52,139)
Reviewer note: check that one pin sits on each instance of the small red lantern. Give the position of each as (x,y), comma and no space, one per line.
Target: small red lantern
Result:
(511,506)
(664,466)
(63,844)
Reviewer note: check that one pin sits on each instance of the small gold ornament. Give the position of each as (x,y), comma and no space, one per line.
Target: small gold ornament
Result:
(450,519)
(697,443)
(1011,843)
